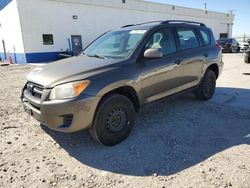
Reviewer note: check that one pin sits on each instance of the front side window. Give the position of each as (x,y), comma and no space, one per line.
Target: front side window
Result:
(206,37)
(234,42)
(116,44)
(187,39)
(162,40)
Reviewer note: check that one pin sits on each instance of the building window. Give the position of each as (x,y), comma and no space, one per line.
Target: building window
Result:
(123,1)
(48,39)
(223,35)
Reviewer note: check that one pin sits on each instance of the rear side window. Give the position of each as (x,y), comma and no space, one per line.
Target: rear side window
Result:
(187,39)
(205,36)
(163,40)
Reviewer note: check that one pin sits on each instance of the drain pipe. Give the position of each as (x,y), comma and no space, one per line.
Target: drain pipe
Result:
(69,43)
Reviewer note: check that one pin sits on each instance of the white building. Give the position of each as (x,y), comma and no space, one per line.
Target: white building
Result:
(37,30)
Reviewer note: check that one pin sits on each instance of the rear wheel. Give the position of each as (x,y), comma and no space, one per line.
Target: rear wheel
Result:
(207,86)
(247,58)
(113,120)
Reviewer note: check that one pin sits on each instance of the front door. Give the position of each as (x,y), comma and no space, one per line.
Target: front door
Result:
(161,77)
(76,44)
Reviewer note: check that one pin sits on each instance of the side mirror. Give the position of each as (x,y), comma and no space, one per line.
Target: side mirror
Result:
(153,53)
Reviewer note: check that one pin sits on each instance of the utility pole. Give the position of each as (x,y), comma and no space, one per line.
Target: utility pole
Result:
(205,6)
(231,11)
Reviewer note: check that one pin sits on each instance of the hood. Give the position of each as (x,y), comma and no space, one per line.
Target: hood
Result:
(66,70)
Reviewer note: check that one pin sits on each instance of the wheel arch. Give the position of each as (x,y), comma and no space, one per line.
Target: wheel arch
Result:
(127,91)
(215,68)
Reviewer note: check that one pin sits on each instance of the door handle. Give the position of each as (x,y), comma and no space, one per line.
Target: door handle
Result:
(178,62)
(205,55)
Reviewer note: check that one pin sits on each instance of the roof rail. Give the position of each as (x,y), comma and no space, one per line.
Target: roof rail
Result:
(167,22)
(129,25)
(183,21)
(149,22)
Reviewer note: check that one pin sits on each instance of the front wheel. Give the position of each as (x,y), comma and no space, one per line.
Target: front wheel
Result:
(207,86)
(114,119)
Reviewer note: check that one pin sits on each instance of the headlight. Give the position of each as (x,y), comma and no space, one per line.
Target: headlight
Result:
(69,90)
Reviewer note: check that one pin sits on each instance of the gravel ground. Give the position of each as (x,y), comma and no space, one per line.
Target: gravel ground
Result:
(179,142)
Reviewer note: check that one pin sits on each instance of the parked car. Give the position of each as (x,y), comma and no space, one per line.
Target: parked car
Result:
(244,46)
(120,72)
(229,45)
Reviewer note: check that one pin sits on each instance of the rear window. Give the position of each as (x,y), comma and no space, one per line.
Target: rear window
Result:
(187,38)
(205,36)
(224,41)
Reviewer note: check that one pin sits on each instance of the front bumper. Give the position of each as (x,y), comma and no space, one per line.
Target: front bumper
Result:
(62,115)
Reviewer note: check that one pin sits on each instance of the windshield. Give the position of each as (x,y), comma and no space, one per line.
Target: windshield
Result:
(115,44)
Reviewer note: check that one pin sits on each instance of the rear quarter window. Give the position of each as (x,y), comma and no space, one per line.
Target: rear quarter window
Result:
(205,36)
(187,39)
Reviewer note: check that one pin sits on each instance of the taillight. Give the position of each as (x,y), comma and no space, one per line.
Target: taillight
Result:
(218,45)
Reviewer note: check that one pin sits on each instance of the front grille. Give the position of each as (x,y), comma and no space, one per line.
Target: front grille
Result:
(34,89)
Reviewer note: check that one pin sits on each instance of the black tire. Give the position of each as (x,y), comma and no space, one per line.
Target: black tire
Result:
(238,49)
(114,119)
(207,86)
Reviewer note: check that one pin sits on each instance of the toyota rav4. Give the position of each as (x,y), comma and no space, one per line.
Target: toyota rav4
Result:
(105,85)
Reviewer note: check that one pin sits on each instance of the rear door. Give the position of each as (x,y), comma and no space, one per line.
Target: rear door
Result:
(163,75)
(192,56)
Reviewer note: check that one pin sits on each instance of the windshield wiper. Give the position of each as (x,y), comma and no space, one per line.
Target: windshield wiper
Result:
(97,56)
